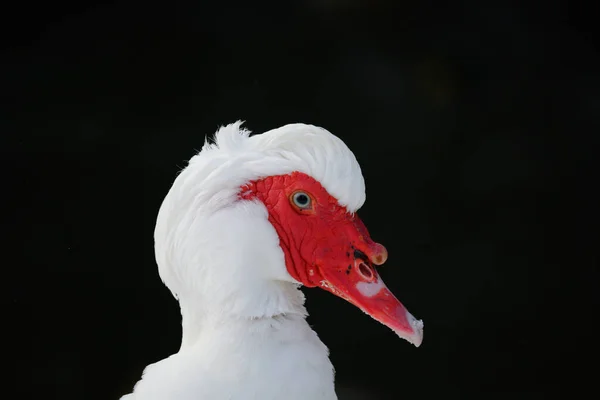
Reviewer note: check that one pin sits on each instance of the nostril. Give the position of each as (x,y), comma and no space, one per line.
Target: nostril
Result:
(365,271)
(359,255)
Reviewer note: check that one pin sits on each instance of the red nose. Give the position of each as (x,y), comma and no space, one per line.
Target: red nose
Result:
(377,254)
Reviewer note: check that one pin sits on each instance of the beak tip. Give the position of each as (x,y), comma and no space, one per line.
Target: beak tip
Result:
(416,337)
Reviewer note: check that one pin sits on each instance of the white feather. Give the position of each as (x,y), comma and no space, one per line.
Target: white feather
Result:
(244,330)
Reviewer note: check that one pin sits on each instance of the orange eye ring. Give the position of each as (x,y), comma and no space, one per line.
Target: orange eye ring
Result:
(302,201)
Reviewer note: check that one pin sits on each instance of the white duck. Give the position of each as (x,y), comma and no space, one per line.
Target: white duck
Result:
(247,222)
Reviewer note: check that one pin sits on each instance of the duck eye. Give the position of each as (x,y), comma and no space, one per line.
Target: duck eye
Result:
(301,200)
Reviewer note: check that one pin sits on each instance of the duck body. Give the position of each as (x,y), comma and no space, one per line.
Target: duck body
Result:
(278,358)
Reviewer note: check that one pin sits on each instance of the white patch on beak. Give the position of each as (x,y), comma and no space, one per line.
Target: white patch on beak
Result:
(370,289)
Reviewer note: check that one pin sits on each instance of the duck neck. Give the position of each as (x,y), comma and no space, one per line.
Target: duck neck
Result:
(272,301)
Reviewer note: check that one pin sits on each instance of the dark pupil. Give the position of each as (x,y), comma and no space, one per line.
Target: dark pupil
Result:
(302,199)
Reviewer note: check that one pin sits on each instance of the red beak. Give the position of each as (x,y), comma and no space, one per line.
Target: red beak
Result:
(364,288)
(361,285)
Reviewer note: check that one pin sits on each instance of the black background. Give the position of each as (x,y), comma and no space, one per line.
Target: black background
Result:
(476,126)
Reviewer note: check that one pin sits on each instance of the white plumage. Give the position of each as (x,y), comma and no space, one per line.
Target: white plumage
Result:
(244,330)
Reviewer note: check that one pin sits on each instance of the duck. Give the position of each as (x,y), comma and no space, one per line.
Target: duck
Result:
(245,225)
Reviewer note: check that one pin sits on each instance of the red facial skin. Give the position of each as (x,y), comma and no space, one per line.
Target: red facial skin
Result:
(324,245)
